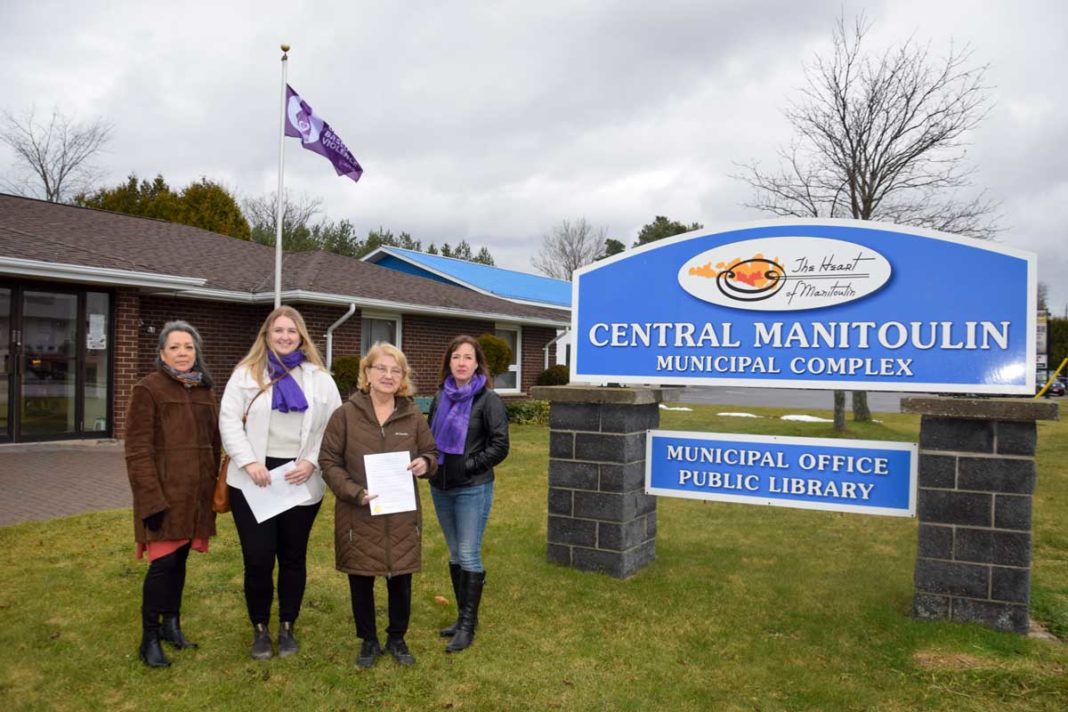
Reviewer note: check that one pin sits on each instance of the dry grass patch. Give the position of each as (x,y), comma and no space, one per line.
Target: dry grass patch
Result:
(936,660)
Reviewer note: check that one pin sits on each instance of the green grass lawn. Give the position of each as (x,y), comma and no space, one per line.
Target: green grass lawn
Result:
(746,607)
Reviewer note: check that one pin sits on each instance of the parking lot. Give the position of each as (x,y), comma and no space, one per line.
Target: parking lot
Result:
(46,480)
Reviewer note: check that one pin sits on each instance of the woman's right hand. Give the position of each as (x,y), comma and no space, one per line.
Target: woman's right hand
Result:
(258,473)
(367,497)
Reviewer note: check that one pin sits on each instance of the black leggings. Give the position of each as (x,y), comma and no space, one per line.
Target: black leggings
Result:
(399,590)
(161,594)
(284,537)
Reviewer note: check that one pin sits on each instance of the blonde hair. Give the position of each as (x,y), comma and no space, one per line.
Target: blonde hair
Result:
(256,358)
(380,349)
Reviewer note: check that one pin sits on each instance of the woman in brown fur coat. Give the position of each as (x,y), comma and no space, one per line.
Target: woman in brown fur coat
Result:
(172,459)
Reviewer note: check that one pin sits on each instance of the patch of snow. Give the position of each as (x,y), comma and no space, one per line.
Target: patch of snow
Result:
(807,418)
(667,407)
(739,415)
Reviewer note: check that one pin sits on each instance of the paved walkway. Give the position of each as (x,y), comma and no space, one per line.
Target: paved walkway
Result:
(46,480)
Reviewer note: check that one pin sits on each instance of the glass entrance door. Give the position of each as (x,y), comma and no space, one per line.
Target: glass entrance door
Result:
(55,363)
(49,373)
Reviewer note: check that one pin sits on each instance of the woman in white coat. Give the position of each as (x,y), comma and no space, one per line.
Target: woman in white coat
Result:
(274,411)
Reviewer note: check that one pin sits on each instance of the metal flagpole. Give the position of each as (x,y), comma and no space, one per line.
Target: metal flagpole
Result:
(281,173)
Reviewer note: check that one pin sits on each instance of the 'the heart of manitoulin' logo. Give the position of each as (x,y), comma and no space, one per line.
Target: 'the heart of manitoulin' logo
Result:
(784,273)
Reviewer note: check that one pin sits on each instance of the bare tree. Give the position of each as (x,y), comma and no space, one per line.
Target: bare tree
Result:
(568,246)
(54,158)
(297,213)
(881,137)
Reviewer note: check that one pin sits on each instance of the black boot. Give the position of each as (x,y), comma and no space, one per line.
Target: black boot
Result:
(458,595)
(287,643)
(261,642)
(472,582)
(172,633)
(151,653)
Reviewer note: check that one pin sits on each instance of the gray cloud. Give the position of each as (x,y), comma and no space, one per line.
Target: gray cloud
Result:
(490,122)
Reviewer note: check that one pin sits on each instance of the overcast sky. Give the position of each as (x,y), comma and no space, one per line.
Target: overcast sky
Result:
(492,121)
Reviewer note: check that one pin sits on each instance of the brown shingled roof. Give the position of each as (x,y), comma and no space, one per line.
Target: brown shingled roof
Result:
(70,235)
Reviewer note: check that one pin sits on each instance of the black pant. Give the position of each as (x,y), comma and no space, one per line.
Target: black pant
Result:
(362,589)
(162,590)
(284,537)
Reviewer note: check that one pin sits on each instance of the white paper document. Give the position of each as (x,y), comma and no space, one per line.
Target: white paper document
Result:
(277,497)
(388,476)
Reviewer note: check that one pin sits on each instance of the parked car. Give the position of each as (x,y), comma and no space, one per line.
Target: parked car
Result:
(1056,388)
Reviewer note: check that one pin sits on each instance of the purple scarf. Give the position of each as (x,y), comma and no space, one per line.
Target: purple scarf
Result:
(287,394)
(454,411)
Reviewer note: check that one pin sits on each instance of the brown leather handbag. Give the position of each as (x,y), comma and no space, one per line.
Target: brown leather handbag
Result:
(220,499)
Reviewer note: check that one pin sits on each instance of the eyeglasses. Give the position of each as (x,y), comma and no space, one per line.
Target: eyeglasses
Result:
(395,372)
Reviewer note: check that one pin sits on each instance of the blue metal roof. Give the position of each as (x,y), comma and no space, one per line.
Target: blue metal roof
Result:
(503,283)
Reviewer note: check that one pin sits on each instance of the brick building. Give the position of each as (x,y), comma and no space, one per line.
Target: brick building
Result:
(83,294)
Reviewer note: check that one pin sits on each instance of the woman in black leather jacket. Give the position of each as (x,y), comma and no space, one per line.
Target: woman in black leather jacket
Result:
(470,426)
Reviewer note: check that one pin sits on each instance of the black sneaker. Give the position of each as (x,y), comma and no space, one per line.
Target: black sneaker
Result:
(287,643)
(399,650)
(369,652)
(262,647)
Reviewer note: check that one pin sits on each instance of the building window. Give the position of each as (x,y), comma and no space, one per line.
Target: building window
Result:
(510,379)
(97,384)
(375,329)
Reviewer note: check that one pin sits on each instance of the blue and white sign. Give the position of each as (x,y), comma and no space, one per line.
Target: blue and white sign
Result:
(862,476)
(810,304)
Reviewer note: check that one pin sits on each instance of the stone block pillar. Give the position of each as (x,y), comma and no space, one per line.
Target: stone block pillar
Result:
(976,480)
(600,518)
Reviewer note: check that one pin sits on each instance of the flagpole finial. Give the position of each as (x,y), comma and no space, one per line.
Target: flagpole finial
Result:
(285,48)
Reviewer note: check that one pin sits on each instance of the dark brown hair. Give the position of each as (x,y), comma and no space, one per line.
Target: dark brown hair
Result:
(480,359)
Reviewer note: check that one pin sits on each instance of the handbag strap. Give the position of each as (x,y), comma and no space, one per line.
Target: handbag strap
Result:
(244,418)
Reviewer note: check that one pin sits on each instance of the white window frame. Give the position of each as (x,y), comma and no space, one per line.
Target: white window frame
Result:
(517,367)
(398,324)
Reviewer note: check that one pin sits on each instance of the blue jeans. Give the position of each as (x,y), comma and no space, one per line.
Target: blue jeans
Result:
(463,513)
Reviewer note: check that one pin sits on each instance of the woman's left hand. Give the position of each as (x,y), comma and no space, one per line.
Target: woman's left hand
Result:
(301,473)
(419,467)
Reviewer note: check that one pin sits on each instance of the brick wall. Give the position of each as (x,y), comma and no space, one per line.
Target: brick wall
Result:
(534,340)
(229,329)
(127,314)
(425,338)
(346,337)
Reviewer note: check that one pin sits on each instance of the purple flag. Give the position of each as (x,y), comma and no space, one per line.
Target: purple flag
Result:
(316,135)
